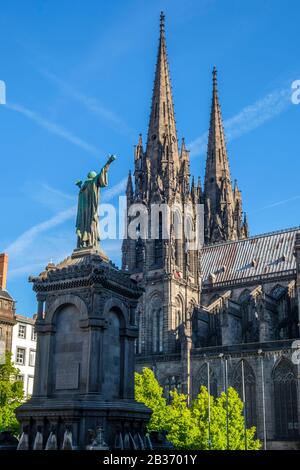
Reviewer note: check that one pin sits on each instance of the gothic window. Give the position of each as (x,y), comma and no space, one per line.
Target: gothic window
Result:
(178,252)
(179,318)
(157,330)
(278,291)
(178,312)
(178,237)
(285,395)
(139,254)
(244,296)
(158,243)
(250,329)
(287,313)
(170,384)
(138,341)
(214,329)
(207,378)
(250,390)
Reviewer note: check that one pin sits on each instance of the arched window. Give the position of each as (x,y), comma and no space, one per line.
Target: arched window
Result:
(178,237)
(158,243)
(138,342)
(285,394)
(139,254)
(250,327)
(170,384)
(250,390)
(178,320)
(206,377)
(244,296)
(278,291)
(157,330)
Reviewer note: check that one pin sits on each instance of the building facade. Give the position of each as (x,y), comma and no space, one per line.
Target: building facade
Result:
(24,349)
(7,308)
(234,303)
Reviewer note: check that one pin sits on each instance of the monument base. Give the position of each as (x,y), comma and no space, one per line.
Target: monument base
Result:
(123,422)
(84,374)
(80,252)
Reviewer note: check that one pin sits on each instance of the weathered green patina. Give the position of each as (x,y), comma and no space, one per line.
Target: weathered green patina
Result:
(87,222)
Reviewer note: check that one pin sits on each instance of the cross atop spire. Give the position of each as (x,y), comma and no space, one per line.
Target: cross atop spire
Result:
(214,77)
(162,143)
(162,22)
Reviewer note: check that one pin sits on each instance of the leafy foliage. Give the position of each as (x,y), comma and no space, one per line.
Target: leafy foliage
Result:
(11,395)
(149,392)
(203,425)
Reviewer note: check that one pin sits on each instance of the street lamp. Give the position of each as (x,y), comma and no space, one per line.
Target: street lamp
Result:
(260,353)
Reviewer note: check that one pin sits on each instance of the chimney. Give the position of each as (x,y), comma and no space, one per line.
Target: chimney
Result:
(3,270)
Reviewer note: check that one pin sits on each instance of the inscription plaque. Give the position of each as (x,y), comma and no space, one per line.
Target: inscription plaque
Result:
(67,375)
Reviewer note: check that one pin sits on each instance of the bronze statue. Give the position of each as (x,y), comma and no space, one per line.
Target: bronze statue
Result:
(87,222)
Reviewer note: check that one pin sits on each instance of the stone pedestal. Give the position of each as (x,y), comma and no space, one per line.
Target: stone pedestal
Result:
(84,375)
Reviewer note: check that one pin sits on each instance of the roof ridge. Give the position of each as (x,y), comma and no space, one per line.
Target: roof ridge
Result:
(261,235)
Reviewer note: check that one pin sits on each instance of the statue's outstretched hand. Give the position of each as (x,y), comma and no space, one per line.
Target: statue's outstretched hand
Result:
(111,158)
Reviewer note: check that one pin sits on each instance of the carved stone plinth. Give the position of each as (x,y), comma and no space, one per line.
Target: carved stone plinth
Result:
(84,375)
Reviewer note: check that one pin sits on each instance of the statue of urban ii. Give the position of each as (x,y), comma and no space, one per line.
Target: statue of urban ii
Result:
(87,222)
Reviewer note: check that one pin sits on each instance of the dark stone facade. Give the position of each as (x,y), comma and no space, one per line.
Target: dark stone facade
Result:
(235,302)
(7,307)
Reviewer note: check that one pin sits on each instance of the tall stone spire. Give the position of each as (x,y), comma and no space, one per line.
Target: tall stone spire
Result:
(162,143)
(222,217)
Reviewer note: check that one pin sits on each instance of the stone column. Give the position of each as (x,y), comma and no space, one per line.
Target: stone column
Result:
(127,336)
(95,327)
(42,382)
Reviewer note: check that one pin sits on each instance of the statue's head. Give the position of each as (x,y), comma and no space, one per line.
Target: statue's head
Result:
(91,175)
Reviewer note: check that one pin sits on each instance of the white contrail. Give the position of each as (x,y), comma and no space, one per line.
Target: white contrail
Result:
(91,104)
(53,127)
(249,118)
(275,204)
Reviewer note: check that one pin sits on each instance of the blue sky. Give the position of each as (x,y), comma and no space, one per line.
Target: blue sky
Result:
(79,77)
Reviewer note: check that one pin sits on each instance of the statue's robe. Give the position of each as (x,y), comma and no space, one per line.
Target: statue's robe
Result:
(87,222)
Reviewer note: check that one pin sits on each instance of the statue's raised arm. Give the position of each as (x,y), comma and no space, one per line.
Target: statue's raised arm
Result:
(102,177)
(87,229)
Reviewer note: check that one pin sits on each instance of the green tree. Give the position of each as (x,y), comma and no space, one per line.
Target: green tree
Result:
(11,395)
(201,426)
(237,439)
(181,427)
(149,392)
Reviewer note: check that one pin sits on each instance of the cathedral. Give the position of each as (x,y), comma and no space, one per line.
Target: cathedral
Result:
(226,314)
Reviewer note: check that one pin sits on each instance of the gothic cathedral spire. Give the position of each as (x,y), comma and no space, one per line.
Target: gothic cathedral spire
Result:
(223,205)
(162,142)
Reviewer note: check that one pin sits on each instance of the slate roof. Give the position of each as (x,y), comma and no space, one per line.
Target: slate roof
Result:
(5,295)
(261,256)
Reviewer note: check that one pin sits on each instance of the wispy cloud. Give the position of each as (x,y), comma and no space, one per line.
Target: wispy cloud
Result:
(53,127)
(17,247)
(90,103)
(115,190)
(248,119)
(27,238)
